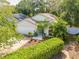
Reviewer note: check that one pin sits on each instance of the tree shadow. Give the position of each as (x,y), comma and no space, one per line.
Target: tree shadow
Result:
(59,56)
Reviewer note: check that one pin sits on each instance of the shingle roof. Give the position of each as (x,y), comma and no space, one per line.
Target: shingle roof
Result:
(44,17)
(73,30)
(39,17)
(19,16)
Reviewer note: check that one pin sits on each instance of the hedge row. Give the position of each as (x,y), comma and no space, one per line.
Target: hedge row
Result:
(43,50)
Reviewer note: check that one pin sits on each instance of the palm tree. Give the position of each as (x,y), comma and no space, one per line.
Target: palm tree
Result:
(41,26)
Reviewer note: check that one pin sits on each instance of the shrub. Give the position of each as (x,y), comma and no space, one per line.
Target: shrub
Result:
(7,33)
(8,30)
(59,28)
(43,50)
(30,34)
(77,38)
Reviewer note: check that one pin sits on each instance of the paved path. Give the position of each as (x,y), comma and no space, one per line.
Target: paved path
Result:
(66,53)
(14,47)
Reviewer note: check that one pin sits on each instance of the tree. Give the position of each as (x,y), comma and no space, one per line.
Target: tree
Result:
(41,27)
(37,6)
(7,29)
(69,10)
(7,11)
(59,28)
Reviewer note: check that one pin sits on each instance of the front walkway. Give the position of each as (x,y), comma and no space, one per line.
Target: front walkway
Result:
(14,47)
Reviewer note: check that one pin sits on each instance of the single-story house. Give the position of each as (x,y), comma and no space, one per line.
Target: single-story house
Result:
(29,24)
(73,30)
(26,25)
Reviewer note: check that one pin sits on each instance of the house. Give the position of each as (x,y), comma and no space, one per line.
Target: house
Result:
(73,30)
(25,26)
(29,24)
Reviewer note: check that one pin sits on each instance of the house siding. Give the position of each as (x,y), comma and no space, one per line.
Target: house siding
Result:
(26,26)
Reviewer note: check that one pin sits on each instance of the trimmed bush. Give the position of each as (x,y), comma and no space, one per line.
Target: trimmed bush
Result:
(43,50)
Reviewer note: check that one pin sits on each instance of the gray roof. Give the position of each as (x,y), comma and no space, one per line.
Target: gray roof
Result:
(44,17)
(73,30)
(19,16)
(37,18)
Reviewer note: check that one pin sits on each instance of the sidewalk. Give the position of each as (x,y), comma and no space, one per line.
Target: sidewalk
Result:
(14,47)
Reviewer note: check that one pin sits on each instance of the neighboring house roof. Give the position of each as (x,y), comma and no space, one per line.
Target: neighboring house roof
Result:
(19,16)
(73,30)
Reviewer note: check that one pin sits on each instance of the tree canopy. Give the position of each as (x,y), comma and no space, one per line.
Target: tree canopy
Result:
(37,6)
(7,28)
(69,10)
